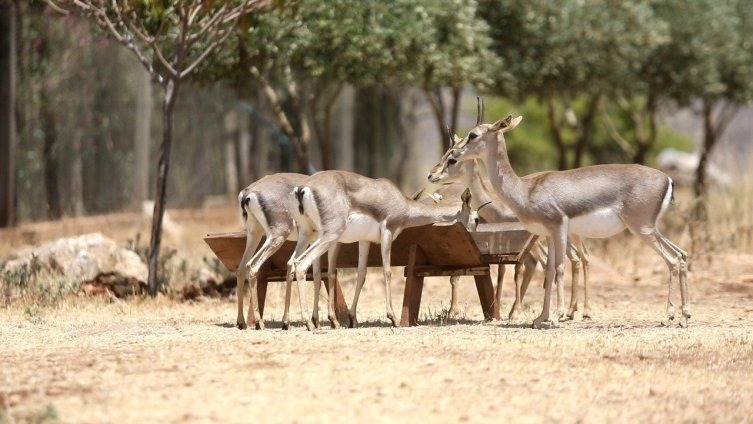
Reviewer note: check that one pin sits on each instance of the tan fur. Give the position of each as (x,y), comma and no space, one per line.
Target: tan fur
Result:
(547,202)
(331,200)
(467,173)
(273,221)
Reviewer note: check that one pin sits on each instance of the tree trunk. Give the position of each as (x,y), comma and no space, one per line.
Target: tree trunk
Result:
(300,146)
(7,111)
(437,106)
(585,131)
(244,152)
(457,94)
(229,155)
(555,127)
(344,138)
(142,138)
(49,155)
(171,95)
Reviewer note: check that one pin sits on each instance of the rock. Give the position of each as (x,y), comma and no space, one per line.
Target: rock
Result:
(83,258)
(113,286)
(209,288)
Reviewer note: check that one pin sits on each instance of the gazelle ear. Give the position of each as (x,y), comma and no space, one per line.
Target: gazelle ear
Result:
(466,196)
(506,124)
(456,139)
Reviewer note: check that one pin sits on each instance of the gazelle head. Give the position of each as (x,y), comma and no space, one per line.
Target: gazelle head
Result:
(475,144)
(444,172)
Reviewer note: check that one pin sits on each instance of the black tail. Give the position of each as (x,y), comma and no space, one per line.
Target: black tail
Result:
(244,204)
(299,195)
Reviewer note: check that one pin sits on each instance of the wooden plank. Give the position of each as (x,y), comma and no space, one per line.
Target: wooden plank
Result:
(442,244)
(448,271)
(501,242)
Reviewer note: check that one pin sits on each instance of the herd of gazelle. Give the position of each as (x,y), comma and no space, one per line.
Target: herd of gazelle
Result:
(332,207)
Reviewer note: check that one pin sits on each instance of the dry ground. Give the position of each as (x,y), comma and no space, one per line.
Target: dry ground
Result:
(162,361)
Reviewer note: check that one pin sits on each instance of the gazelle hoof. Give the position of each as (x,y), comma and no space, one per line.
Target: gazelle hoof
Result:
(310,326)
(241,325)
(286,325)
(352,321)
(259,325)
(333,321)
(317,325)
(393,320)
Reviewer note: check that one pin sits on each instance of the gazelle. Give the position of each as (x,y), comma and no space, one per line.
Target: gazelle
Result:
(594,202)
(346,207)
(264,210)
(468,174)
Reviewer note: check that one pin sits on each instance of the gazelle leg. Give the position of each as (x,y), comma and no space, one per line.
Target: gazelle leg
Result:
(363,258)
(682,274)
(575,264)
(302,264)
(241,274)
(517,305)
(585,258)
(522,280)
(317,288)
(454,310)
(271,245)
(386,255)
(547,286)
(500,278)
(555,268)
(331,282)
(304,237)
(673,263)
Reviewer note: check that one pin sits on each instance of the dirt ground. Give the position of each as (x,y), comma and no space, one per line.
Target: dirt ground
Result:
(158,360)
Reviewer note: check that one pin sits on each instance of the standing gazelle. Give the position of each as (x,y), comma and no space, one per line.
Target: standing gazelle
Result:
(347,207)
(467,174)
(264,209)
(594,202)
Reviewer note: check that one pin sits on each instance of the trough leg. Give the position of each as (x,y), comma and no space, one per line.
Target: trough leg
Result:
(486,296)
(414,286)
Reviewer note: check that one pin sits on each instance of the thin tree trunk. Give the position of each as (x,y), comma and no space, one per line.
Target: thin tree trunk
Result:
(142,139)
(244,151)
(77,178)
(7,111)
(457,94)
(171,95)
(325,142)
(555,127)
(231,170)
(344,128)
(299,144)
(49,155)
(586,131)
(437,106)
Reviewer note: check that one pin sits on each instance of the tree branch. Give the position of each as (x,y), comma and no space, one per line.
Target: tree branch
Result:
(615,135)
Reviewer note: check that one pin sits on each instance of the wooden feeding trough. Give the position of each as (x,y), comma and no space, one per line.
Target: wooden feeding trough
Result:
(427,251)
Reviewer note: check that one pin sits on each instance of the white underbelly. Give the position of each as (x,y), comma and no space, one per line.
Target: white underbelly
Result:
(600,223)
(360,227)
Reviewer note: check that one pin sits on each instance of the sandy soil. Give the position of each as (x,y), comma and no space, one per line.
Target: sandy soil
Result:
(163,361)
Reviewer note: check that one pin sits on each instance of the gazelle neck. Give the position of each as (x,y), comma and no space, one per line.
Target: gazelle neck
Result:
(505,182)
(420,213)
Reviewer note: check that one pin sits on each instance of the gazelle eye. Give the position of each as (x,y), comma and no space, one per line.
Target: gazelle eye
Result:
(452,161)
(471,136)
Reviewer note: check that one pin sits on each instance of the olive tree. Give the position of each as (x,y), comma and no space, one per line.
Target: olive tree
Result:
(171,38)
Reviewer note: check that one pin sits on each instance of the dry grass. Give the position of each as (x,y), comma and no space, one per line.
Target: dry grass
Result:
(155,360)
